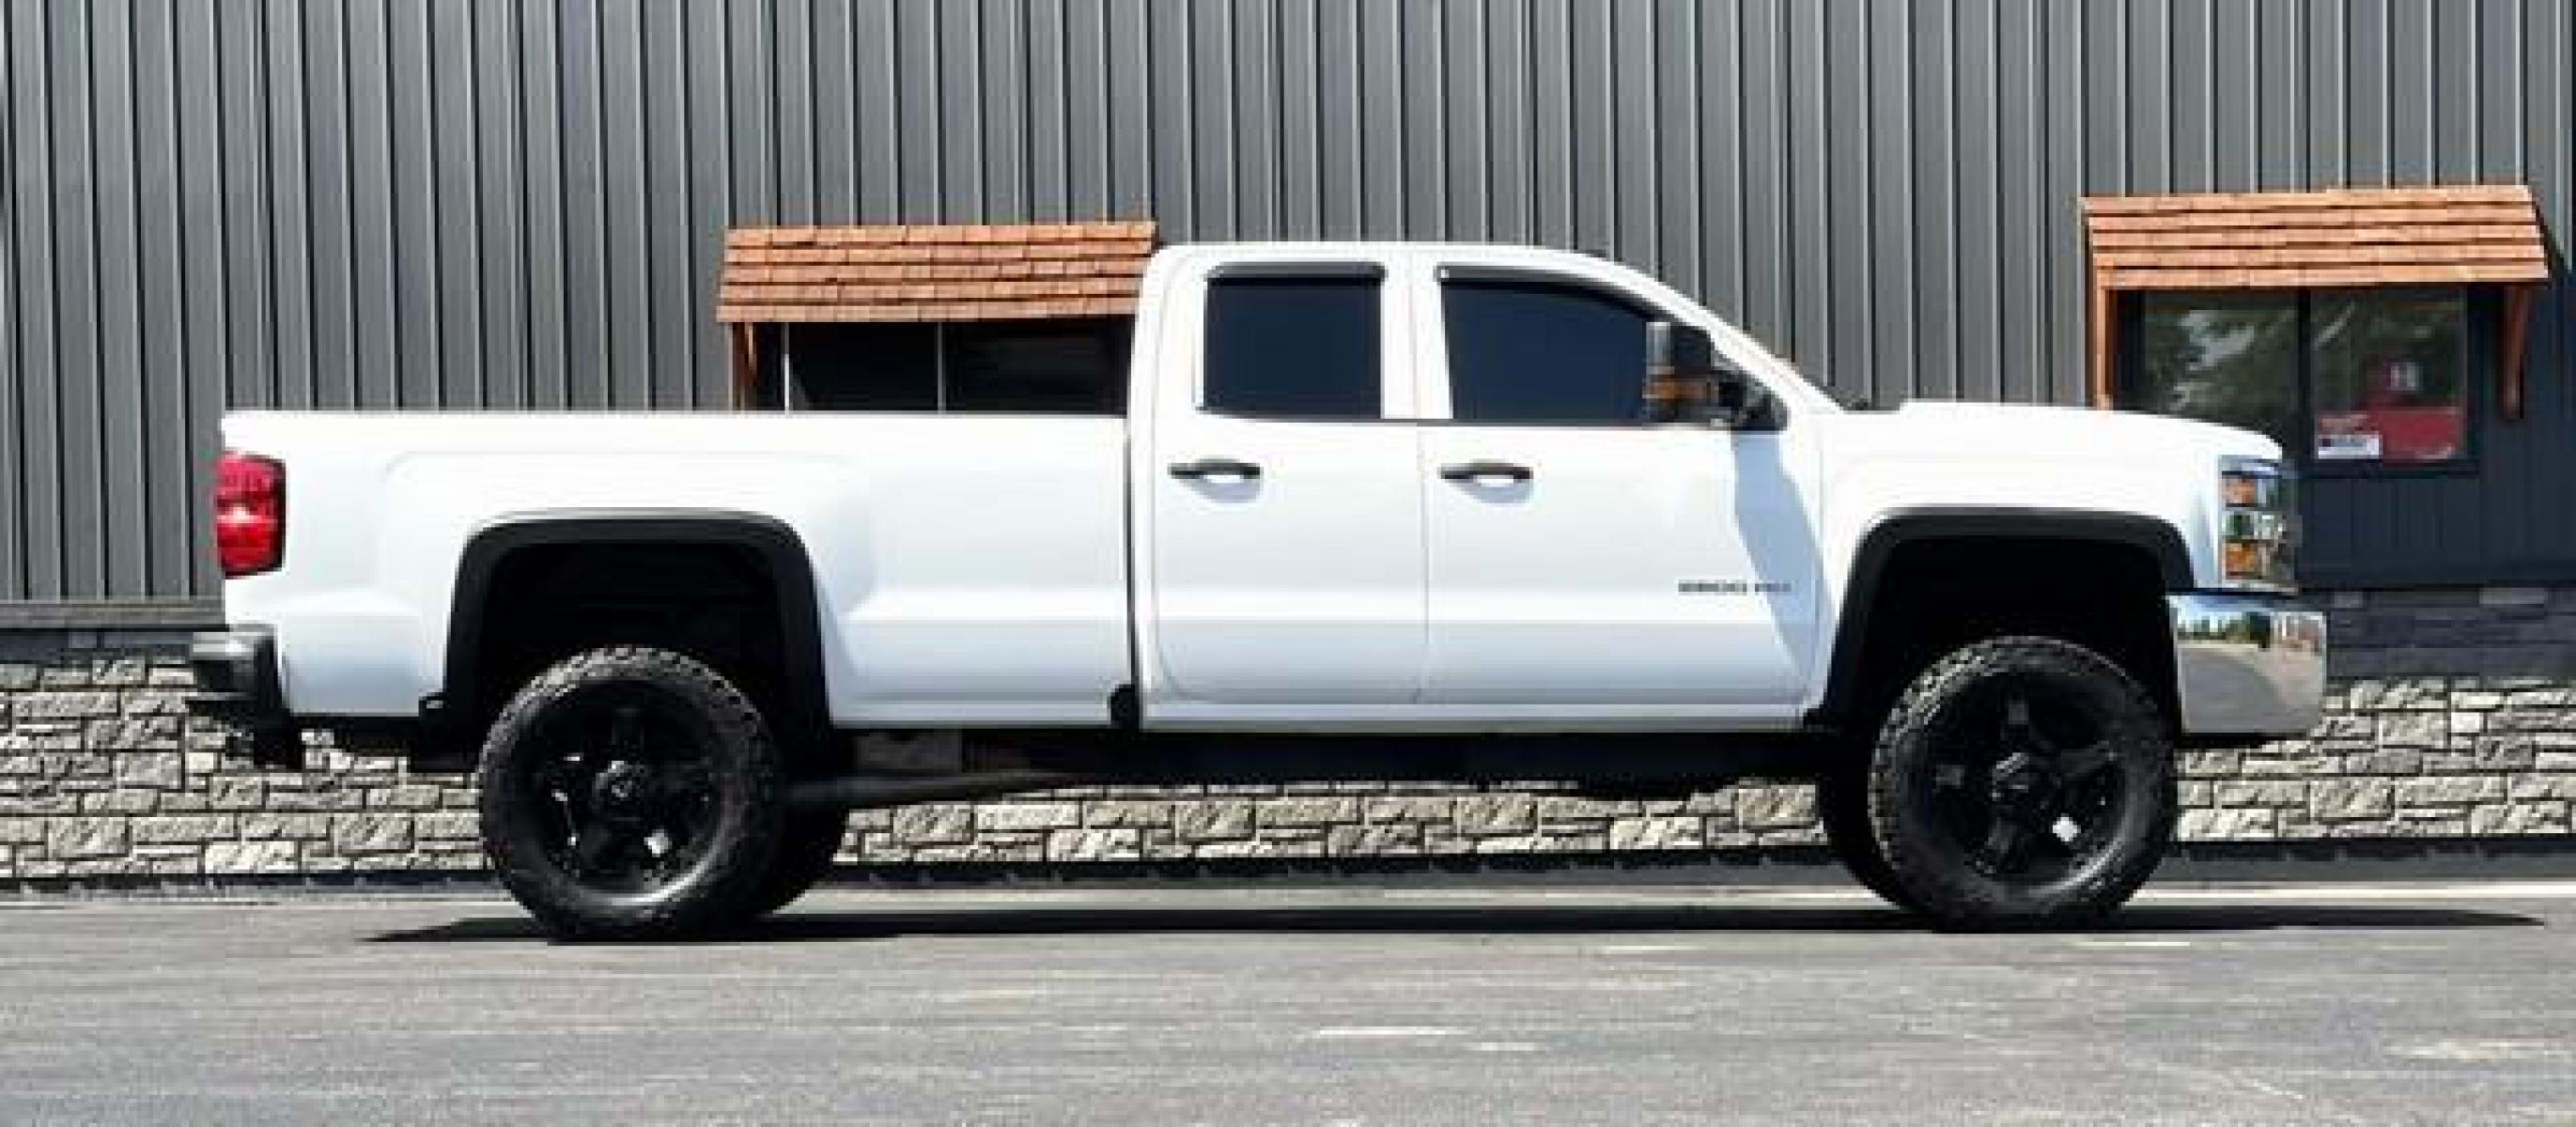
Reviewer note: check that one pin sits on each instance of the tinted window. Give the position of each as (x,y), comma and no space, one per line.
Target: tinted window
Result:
(1073,367)
(1047,366)
(864,366)
(1300,347)
(1539,352)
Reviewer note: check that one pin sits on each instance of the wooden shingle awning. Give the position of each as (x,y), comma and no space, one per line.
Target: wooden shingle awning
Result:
(2459,235)
(989,272)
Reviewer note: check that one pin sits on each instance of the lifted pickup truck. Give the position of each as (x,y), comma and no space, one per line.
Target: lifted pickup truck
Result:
(1373,511)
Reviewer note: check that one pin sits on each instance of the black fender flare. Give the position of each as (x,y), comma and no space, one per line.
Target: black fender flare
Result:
(2157,537)
(462,698)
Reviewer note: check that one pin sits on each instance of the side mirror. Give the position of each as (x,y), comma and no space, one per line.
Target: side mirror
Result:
(1687,386)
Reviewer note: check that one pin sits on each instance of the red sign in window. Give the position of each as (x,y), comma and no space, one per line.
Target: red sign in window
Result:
(2391,434)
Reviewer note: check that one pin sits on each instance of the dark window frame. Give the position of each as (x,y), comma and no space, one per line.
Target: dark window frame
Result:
(2480,348)
(1372,272)
(928,357)
(1777,417)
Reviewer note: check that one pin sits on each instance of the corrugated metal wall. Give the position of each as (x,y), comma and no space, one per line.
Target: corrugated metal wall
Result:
(399,202)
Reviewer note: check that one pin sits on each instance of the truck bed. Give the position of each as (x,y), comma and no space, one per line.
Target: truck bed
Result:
(974,565)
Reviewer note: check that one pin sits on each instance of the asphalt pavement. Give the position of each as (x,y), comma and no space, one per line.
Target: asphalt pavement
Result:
(1307,1004)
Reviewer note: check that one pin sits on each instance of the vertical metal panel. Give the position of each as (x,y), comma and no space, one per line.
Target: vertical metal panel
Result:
(1634,142)
(2548,106)
(125,522)
(1680,168)
(29,566)
(75,188)
(1551,125)
(1420,89)
(1300,97)
(1845,189)
(1130,117)
(1916,276)
(679,344)
(1807,260)
(406,203)
(162,415)
(1464,129)
(1002,102)
(1050,101)
(2022,247)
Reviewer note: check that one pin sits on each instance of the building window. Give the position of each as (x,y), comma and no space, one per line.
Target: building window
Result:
(1039,366)
(2390,375)
(1293,347)
(2344,379)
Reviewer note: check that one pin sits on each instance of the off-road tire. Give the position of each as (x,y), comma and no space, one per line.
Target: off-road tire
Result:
(804,857)
(745,775)
(1933,872)
(1842,809)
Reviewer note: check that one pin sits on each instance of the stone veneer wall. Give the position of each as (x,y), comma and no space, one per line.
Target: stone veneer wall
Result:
(2452,714)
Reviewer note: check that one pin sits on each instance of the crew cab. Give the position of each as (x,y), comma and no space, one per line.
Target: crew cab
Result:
(1367,511)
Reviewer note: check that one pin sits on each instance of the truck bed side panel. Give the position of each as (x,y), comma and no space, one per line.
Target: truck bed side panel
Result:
(969,569)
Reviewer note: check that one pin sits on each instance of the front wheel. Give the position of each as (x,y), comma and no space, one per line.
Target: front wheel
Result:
(1842,808)
(2021,782)
(631,793)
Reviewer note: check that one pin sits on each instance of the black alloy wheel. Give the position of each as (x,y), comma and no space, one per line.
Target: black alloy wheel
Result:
(2022,781)
(631,793)
(627,798)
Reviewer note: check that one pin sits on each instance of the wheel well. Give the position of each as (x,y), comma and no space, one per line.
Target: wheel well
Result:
(737,597)
(1931,596)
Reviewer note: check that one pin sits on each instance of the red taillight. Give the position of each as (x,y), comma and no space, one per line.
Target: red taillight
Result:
(250,514)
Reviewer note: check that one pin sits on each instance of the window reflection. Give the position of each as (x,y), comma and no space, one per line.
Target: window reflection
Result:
(2388,375)
(2226,358)
(2352,377)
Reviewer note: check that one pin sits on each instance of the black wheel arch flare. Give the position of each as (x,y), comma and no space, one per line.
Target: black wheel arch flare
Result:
(463,698)
(1843,688)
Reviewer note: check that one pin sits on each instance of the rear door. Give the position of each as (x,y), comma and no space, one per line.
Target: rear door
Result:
(1282,525)
(1581,563)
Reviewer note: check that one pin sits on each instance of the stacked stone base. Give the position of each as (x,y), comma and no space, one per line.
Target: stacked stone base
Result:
(2452,715)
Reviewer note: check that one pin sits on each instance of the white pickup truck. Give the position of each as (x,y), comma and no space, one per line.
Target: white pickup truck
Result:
(1371,511)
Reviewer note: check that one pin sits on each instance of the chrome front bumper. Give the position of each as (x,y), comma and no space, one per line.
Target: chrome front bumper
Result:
(2247,665)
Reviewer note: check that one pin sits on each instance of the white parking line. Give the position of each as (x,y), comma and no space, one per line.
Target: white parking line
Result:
(1358,1031)
(2429,890)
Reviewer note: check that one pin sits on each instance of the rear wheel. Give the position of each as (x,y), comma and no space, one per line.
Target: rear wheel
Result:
(631,793)
(804,857)
(2021,782)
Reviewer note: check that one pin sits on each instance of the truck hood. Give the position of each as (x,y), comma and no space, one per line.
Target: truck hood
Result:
(1978,456)
(2006,430)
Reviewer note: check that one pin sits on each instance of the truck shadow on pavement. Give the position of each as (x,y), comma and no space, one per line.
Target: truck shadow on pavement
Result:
(1495,919)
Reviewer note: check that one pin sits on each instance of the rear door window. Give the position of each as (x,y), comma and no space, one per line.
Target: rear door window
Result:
(1293,346)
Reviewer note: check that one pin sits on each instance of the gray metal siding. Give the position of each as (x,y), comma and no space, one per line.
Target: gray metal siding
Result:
(338,203)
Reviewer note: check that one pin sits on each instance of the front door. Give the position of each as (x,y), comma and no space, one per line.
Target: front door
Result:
(1285,529)
(1585,563)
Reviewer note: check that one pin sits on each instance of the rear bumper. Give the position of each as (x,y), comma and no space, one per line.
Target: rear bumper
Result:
(2247,665)
(236,683)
